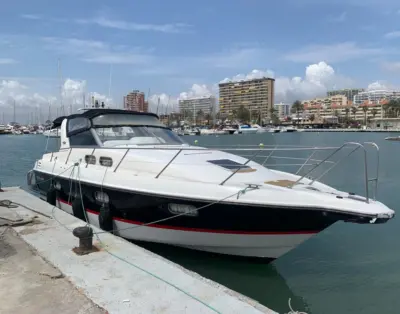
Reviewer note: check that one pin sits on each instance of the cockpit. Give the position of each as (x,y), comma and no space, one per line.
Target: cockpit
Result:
(116,128)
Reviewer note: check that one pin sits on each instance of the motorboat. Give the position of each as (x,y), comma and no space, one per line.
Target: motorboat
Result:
(55,132)
(392,138)
(131,175)
(289,128)
(246,129)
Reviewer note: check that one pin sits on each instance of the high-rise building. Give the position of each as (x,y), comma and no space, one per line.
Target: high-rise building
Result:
(257,95)
(190,107)
(349,93)
(282,110)
(134,101)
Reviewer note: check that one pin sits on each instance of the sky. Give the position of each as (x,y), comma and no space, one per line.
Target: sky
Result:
(175,49)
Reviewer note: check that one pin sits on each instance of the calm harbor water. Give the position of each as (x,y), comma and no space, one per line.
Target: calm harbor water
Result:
(346,269)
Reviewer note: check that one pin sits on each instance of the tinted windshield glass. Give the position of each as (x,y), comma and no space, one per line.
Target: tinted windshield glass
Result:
(137,135)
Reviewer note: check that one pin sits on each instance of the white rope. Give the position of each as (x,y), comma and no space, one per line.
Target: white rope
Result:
(291,309)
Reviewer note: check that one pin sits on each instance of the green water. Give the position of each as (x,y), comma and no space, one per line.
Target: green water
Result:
(346,269)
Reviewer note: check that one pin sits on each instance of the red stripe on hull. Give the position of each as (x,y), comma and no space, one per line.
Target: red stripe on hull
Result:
(200,229)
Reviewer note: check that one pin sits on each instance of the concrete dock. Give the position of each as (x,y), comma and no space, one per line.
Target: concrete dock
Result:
(40,272)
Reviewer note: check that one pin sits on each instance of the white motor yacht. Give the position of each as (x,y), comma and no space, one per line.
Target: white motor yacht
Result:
(139,180)
(52,133)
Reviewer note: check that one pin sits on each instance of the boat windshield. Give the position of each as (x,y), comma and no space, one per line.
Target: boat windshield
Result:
(129,129)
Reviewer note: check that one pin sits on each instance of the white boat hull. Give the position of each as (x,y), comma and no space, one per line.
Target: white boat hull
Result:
(270,246)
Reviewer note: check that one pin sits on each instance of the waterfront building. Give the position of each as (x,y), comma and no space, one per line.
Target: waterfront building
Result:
(192,106)
(257,95)
(282,110)
(323,109)
(135,101)
(375,96)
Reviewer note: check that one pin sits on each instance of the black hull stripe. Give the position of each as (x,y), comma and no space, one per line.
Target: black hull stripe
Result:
(202,230)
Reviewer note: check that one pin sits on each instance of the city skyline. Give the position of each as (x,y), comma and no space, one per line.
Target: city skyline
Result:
(165,52)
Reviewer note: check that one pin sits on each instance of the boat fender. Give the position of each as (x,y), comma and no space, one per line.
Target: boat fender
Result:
(105,218)
(51,196)
(77,208)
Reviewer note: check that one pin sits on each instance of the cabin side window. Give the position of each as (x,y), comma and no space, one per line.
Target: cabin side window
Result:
(83,139)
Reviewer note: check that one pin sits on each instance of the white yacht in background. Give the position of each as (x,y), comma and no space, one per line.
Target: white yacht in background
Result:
(246,129)
(141,181)
(289,128)
(52,132)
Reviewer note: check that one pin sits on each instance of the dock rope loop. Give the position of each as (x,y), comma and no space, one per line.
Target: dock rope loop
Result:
(291,309)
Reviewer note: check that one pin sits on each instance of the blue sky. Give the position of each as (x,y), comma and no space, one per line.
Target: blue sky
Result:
(168,46)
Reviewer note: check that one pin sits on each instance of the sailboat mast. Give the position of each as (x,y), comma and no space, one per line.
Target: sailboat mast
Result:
(109,82)
(61,88)
(14,117)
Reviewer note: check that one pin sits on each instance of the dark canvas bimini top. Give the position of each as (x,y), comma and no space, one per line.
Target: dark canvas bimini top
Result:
(92,113)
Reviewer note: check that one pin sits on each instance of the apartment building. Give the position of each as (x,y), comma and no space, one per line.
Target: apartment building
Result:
(257,95)
(282,110)
(349,93)
(135,101)
(375,96)
(191,106)
(339,106)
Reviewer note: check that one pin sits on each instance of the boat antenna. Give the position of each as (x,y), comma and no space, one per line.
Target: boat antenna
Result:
(158,104)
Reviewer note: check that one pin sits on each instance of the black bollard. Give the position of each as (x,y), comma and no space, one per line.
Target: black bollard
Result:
(85,236)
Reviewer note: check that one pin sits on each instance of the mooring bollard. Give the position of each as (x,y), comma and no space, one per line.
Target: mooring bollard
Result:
(85,236)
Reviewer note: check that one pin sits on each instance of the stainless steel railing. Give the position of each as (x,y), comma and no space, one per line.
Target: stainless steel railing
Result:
(309,164)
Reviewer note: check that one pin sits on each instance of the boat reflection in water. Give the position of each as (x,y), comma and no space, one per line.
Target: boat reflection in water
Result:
(259,281)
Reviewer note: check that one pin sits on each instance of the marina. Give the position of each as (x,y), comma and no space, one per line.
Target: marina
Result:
(205,265)
(189,161)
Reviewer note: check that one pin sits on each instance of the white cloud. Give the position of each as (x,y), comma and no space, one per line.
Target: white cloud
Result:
(318,79)
(131,26)
(392,35)
(332,53)
(379,85)
(30,16)
(93,51)
(7,61)
(28,101)
(163,103)
(338,19)
(252,75)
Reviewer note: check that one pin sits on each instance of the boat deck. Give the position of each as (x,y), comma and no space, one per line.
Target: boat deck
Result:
(41,272)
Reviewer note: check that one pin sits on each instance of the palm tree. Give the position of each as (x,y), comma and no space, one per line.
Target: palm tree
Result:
(199,116)
(374,112)
(297,107)
(234,114)
(311,118)
(347,110)
(365,109)
(354,111)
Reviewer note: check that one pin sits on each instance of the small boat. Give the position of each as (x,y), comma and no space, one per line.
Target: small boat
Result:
(52,133)
(131,175)
(247,129)
(393,138)
(289,128)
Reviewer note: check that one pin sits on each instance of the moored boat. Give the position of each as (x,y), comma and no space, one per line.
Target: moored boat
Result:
(139,180)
